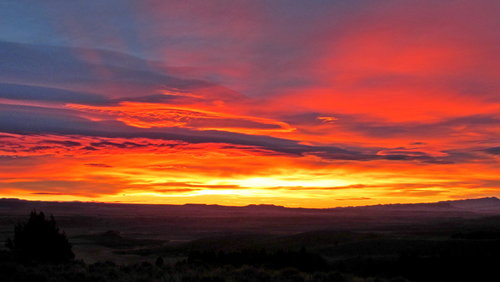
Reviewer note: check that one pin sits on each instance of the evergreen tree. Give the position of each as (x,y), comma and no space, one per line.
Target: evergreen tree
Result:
(41,240)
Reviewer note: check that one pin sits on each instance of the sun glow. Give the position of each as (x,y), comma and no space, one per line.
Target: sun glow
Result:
(331,105)
(263,182)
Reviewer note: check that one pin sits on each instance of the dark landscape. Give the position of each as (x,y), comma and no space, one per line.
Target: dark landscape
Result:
(443,241)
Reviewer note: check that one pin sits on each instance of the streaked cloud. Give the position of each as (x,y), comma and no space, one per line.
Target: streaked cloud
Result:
(313,104)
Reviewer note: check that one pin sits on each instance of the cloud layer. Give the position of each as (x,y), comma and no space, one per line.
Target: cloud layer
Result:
(314,104)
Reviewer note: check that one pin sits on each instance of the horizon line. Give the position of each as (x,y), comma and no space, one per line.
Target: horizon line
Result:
(250,205)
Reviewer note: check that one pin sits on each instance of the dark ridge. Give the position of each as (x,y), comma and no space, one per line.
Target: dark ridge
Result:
(463,203)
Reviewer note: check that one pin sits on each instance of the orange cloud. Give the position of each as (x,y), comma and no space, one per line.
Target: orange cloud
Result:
(316,105)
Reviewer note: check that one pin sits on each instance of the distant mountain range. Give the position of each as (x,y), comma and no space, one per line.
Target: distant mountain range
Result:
(192,221)
(483,204)
(488,205)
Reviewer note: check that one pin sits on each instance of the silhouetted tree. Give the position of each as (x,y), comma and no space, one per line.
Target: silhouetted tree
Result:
(40,239)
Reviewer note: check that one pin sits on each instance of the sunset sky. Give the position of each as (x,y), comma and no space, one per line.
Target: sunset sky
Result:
(319,103)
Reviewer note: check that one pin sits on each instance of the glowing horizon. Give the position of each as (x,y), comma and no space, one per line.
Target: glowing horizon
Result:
(319,104)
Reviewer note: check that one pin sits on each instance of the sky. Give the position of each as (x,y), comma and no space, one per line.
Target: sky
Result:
(319,103)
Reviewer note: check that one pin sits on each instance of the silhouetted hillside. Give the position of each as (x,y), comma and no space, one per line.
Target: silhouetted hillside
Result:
(193,221)
(490,203)
(481,205)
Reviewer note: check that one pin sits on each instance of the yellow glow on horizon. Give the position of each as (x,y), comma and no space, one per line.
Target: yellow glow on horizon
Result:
(262,182)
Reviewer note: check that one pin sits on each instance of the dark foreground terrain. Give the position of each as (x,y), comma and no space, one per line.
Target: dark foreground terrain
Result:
(444,241)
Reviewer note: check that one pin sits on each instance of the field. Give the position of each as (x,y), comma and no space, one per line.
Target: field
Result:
(445,241)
